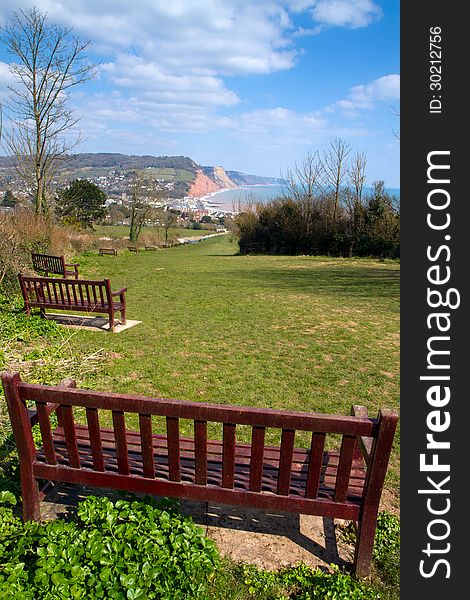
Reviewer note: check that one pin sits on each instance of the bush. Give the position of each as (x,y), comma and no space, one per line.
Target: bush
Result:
(306,225)
(117,550)
(21,232)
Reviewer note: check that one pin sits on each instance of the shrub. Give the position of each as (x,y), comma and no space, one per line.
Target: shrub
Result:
(117,550)
(21,232)
(305,225)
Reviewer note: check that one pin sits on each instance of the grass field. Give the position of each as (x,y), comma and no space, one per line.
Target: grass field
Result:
(300,333)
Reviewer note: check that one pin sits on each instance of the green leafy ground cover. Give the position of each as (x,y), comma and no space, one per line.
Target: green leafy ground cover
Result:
(134,549)
(306,333)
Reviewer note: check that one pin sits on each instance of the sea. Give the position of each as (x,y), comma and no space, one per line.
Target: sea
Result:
(233,200)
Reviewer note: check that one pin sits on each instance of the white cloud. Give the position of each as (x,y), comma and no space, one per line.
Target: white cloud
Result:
(163,85)
(167,67)
(364,97)
(281,128)
(6,79)
(346,13)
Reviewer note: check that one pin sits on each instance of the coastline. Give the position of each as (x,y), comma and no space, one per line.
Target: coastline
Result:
(211,204)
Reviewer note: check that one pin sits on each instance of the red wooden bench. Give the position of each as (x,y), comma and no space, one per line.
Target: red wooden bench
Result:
(345,484)
(53,265)
(72,294)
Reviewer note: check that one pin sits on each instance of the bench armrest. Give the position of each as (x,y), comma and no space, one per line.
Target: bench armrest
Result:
(119,292)
(365,443)
(33,415)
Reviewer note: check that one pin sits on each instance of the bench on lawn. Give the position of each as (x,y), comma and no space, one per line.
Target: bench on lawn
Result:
(72,294)
(48,265)
(111,251)
(152,248)
(345,483)
(132,248)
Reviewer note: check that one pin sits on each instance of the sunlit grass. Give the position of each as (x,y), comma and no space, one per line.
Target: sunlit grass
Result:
(299,333)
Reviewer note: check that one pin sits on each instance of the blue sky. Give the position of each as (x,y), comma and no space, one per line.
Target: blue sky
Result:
(252,86)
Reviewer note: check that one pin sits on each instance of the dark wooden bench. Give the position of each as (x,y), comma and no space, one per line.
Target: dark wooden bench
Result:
(344,484)
(48,265)
(111,251)
(132,249)
(152,248)
(72,294)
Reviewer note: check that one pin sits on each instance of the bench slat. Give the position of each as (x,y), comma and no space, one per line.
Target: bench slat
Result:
(70,436)
(200,450)
(344,467)
(119,426)
(46,432)
(67,291)
(173,433)
(95,299)
(241,415)
(145,426)
(256,459)
(95,438)
(87,292)
(228,463)
(103,303)
(315,465)
(285,461)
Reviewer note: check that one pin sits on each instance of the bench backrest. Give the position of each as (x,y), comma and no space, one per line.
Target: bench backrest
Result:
(373,436)
(65,292)
(46,263)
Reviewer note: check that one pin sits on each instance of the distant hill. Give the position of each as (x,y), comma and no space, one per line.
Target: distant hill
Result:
(124,161)
(176,176)
(244,179)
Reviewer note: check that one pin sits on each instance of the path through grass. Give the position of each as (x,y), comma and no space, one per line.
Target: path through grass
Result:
(299,333)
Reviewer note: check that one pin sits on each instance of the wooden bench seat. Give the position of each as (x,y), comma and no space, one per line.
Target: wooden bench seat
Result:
(81,295)
(111,251)
(344,484)
(270,476)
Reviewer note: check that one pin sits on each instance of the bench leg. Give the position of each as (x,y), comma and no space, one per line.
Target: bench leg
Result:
(123,316)
(111,321)
(30,497)
(364,544)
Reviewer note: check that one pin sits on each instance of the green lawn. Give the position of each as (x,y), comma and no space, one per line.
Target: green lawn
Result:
(304,333)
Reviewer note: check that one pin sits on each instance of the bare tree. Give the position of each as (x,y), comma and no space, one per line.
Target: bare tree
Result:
(357,175)
(48,61)
(140,208)
(168,220)
(335,168)
(304,184)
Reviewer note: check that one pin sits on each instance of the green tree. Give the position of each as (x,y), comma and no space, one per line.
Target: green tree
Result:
(9,199)
(83,201)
